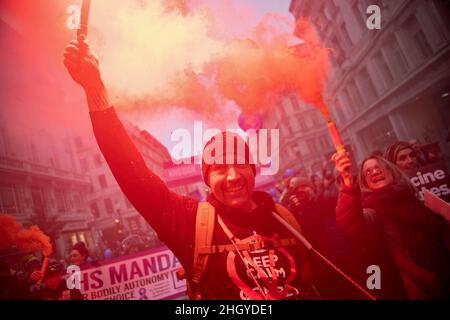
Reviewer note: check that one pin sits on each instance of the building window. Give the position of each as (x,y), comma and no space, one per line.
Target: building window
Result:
(329,10)
(355,96)
(312,146)
(8,200)
(109,205)
(442,9)
(69,201)
(281,109)
(84,164)
(325,141)
(359,16)
(287,129)
(422,42)
(297,151)
(94,210)
(322,22)
(337,54)
(77,202)
(79,142)
(383,69)
(301,122)
(295,104)
(23,202)
(397,60)
(73,238)
(316,120)
(98,160)
(345,36)
(34,153)
(369,91)
(378,135)
(102,181)
(339,113)
(82,237)
(379,3)
(134,224)
(60,201)
(345,103)
(128,203)
(3,143)
(413,28)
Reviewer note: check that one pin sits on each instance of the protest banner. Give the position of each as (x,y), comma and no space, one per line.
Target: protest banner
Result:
(148,275)
(434,178)
(437,205)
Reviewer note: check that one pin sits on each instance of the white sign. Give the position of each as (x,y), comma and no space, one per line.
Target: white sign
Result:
(149,275)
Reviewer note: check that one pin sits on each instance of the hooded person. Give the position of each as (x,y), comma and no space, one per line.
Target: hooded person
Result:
(316,212)
(25,277)
(54,281)
(79,256)
(49,285)
(405,239)
(403,155)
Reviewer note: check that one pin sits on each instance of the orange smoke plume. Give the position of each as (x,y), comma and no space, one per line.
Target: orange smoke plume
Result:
(313,57)
(254,75)
(175,53)
(27,240)
(33,239)
(177,5)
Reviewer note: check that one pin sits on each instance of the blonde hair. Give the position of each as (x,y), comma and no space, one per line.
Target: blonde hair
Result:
(399,177)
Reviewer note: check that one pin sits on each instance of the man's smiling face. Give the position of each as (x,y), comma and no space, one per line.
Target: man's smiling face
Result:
(233,185)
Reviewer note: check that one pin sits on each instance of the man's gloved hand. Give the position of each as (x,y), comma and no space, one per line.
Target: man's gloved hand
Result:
(83,65)
(294,201)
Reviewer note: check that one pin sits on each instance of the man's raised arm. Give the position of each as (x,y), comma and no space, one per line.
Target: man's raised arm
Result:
(83,67)
(168,213)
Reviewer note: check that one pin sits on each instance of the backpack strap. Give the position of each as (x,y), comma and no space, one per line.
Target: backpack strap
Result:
(204,228)
(288,216)
(250,246)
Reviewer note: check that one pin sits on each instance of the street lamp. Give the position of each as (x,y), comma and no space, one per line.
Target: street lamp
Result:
(118,220)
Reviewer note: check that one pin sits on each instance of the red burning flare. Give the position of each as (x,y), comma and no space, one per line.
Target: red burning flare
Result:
(255,74)
(27,240)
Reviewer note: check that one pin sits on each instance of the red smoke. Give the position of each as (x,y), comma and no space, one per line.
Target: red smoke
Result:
(27,240)
(177,5)
(254,75)
(194,54)
(175,53)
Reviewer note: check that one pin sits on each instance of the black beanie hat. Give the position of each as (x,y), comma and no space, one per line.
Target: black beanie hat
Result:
(221,145)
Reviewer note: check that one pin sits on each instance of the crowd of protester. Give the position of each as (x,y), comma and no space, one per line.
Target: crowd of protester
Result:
(356,220)
(374,217)
(21,277)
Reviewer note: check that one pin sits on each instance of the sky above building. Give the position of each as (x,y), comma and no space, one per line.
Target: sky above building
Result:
(125,36)
(162,124)
(264,6)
